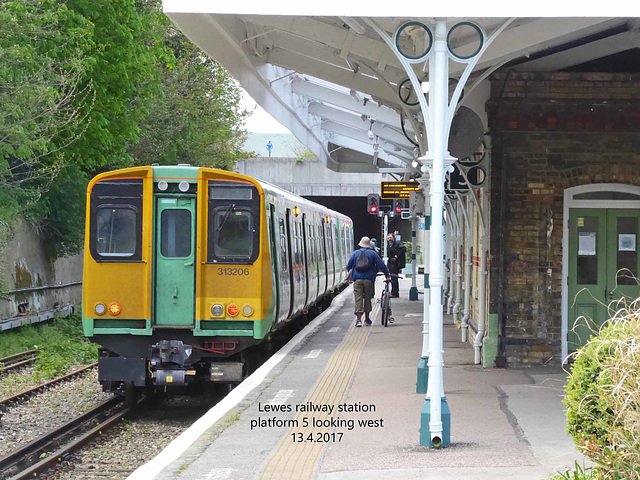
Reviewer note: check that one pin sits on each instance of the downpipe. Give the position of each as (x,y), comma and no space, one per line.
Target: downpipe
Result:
(468,270)
(464,324)
(482,300)
(458,300)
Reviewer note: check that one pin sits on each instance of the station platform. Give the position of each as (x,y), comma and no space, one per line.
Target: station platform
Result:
(277,424)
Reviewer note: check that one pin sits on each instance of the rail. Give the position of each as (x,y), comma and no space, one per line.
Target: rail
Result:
(49,442)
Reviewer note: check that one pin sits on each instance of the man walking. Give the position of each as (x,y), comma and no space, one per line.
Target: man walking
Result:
(364,264)
(397,253)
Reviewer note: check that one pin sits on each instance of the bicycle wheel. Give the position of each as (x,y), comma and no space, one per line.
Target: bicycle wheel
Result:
(386,309)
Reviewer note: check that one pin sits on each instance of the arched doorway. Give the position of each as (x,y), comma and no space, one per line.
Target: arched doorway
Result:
(600,256)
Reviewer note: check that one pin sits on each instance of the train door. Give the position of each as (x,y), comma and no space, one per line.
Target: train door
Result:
(174,261)
(306,258)
(300,277)
(331,255)
(292,273)
(322,251)
(275,258)
(285,283)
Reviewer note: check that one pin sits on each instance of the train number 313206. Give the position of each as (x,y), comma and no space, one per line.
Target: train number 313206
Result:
(233,271)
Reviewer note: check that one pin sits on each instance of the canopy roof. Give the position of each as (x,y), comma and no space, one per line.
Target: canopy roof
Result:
(333,81)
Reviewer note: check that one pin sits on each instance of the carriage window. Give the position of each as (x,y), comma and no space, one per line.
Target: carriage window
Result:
(116,232)
(233,234)
(175,237)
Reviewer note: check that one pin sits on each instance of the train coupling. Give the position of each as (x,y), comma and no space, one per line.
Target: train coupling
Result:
(168,363)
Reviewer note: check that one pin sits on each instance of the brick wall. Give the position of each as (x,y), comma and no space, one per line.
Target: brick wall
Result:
(549,132)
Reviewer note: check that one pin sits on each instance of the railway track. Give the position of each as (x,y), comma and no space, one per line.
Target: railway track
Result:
(18,360)
(58,445)
(25,394)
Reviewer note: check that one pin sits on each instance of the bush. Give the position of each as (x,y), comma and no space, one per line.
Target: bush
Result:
(603,397)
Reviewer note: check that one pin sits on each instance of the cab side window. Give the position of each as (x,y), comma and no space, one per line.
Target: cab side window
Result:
(115,232)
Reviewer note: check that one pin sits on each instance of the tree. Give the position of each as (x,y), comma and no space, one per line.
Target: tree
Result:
(198,119)
(128,53)
(45,99)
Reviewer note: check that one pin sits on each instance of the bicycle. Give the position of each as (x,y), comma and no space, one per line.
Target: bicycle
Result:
(385,304)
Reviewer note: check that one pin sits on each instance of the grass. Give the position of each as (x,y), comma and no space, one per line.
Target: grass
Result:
(61,344)
(578,472)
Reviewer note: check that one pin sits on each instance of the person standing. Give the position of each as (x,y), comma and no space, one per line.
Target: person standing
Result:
(374,246)
(397,253)
(364,264)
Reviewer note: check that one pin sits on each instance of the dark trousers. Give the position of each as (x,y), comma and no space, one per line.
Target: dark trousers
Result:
(395,287)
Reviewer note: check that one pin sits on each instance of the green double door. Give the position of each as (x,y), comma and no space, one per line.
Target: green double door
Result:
(174,261)
(603,267)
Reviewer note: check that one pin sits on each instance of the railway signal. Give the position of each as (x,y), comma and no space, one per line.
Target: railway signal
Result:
(398,205)
(373,203)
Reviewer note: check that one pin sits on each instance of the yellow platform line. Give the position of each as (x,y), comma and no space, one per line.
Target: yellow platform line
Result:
(299,460)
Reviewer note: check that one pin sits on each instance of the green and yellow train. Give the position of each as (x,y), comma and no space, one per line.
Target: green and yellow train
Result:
(187,268)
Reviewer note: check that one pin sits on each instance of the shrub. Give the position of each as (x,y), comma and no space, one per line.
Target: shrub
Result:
(603,397)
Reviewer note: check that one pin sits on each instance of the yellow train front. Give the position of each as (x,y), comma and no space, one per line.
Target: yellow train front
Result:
(186,269)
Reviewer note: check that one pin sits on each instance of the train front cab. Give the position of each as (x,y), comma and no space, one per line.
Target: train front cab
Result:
(170,302)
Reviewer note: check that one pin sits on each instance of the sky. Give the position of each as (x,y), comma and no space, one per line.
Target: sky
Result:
(260,121)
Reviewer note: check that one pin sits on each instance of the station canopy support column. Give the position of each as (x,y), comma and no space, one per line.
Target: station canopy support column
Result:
(437,115)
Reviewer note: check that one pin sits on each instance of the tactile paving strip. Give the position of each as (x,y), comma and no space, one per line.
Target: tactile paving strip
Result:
(299,460)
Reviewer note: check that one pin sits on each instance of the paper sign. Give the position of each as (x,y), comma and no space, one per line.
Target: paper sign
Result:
(586,243)
(581,221)
(627,242)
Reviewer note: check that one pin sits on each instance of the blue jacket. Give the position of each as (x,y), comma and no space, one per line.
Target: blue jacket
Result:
(375,265)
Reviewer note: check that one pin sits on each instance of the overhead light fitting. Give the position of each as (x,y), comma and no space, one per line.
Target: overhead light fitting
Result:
(370,133)
(375,152)
(425,86)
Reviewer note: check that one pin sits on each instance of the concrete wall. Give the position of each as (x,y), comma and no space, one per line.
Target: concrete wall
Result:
(24,263)
(309,177)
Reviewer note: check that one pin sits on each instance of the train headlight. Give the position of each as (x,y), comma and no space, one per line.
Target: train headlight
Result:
(115,309)
(162,185)
(217,310)
(183,186)
(233,310)
(247,310)
(100,308)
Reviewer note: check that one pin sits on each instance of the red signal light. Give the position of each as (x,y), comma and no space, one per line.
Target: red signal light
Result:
(373,209)
(398,209)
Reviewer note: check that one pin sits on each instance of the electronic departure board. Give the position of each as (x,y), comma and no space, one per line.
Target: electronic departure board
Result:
(391,190)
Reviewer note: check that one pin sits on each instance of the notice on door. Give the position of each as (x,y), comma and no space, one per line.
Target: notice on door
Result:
(627,242)
(586,243)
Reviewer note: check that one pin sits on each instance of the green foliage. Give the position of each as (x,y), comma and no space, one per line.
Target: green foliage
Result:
(197,119)
(44,49)
(59,357)
(128,39)
(61,343)
(578,472)
(302,153)
(60,213)
(603,397)
(34,336)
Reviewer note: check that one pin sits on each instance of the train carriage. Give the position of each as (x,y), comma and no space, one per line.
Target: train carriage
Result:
(186,269)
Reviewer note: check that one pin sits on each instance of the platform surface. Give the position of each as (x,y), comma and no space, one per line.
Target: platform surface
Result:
(505,423)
